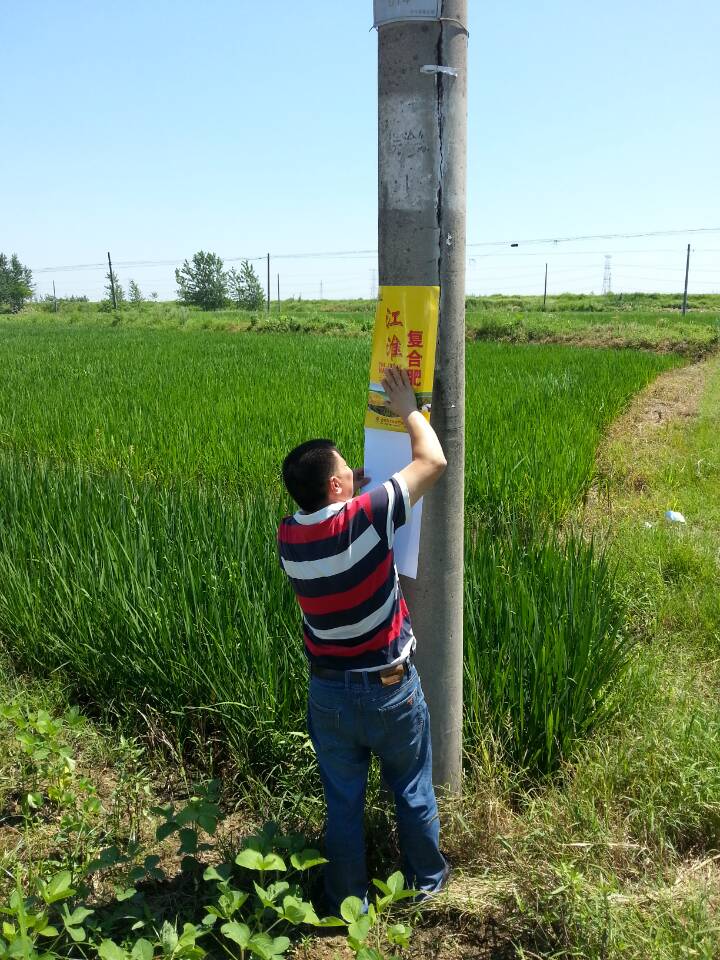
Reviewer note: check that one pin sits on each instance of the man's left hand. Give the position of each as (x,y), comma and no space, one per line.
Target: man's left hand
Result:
(359,479)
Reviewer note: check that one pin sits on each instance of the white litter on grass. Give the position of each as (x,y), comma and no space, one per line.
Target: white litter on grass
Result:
(648,525)
(674,517)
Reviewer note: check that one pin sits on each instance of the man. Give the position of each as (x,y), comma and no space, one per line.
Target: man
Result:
(365,694)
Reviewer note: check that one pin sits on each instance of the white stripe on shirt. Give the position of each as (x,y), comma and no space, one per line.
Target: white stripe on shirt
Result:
(402,483)
(406,651)
(323,514)
(339,563)
(391,506)
(362,626)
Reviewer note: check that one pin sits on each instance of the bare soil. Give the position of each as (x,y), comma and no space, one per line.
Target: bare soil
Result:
(597,338)
(674,397)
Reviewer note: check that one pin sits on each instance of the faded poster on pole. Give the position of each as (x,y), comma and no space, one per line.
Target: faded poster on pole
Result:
(405,336)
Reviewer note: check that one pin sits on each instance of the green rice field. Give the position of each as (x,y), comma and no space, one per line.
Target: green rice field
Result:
(140,493)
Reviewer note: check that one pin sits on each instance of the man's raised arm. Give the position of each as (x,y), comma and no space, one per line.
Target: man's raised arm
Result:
(428,459)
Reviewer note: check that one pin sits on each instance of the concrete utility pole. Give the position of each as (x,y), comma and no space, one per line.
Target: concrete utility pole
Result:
(112,282)
(422,129)
(545,291)
(687,275)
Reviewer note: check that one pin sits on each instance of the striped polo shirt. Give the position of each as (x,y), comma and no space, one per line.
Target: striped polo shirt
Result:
(341,565)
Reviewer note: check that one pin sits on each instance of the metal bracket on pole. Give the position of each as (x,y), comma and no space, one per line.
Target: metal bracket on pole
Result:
(436,68)
(396,11)
(403,11)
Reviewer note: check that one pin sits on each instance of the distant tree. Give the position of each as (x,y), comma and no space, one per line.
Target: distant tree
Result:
(48,302)
(245,287)
(154,295)
(15,283)
(134,293)
(119,292)
(202,283)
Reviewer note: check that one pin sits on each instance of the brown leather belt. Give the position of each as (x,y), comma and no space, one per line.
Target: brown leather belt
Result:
(386,677)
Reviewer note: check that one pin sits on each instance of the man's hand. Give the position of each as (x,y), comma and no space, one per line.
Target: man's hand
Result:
(401,397)
(428,459)
(359,479)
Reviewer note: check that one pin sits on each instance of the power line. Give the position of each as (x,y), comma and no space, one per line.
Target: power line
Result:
(516,255)
(599,236)
(367,253)
(129,264)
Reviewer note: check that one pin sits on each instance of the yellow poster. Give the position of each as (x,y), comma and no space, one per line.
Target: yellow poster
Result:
(405,336)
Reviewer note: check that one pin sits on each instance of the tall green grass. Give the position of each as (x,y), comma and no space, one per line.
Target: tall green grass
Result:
(544,641)
(225,410)
(146,594)
(534,420)
(139,497)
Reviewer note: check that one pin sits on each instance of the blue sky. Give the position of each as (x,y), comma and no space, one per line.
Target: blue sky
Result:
(157,129)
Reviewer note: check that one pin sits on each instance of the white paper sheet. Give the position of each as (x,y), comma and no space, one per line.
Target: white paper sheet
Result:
(387,452)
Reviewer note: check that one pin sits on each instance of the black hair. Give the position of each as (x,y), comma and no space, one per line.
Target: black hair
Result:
(306,471)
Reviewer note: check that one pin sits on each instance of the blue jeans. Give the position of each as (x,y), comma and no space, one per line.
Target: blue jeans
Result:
(347,722)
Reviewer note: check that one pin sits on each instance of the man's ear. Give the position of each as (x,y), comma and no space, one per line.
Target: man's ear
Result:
(334,485)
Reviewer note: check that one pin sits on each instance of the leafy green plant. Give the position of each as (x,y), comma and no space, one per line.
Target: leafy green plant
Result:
(258,898)
(170,944)
(42,740)
(200,813)
(252,916)
(370,931)
(38,925)
(52,779)
(131,798)
(255,919)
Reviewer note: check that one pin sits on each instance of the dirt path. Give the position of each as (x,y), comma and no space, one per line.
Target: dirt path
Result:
(673,398)
(674,395)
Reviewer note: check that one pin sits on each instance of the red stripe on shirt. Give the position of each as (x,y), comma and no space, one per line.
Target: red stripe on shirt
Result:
(294,532)
(381,639)
(347,599)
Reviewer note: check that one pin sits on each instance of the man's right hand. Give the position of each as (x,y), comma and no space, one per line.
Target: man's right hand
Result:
(428,459)
(399,392)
